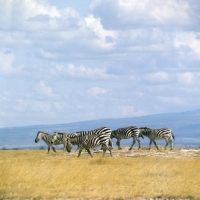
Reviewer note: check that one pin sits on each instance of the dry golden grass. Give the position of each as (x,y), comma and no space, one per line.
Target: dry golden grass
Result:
(36,174)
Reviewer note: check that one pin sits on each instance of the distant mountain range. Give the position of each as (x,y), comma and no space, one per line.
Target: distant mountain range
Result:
(185,126)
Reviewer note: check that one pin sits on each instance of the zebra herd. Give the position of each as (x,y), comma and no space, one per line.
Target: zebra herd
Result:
(103,137)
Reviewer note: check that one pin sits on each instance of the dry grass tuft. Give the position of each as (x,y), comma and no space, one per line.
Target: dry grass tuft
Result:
(36,174)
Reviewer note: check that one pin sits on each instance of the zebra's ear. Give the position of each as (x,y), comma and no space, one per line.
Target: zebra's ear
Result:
(56,134)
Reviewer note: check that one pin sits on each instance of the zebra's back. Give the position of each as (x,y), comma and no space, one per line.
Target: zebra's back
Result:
(158,134)
(101,130)
(95,140)
(126,132)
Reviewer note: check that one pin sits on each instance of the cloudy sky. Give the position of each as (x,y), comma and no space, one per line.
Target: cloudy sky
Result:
(66,61)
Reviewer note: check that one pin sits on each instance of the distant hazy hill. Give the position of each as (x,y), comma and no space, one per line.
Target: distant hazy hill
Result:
(185,125)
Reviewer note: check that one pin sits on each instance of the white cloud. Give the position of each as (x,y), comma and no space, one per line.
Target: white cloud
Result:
(133,56)
(81,71)
(42,106)
(42,89)
(95,25)
(96,91)
(116,13)
(128,111)
(47,55)
(190,40)
(158,77)
(185,78)
(6,61)
(172,100)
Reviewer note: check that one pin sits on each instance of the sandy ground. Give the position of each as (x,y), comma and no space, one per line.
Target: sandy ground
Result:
(181,152)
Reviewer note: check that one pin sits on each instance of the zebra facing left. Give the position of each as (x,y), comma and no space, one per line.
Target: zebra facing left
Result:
(76,140)
(47,138)
(87,142)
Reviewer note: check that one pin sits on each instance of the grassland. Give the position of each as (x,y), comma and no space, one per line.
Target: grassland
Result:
(34,174)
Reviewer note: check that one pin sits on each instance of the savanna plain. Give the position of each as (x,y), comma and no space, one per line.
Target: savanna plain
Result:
(136,174)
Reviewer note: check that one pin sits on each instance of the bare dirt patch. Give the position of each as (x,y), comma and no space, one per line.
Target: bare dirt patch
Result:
(179,153)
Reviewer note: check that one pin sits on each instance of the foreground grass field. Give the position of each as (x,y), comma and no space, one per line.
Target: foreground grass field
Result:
(35,174)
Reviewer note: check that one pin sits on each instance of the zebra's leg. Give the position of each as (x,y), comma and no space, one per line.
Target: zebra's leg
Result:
(106,147)
(150,144)
(139,146)
(48,149)
(167,142)
(109,149)
(118,144)
(104,151)
(155,144)
(80,150)
(110,143)
(132,144)
(88,150)
(171,144)
(53,148)
(64,146)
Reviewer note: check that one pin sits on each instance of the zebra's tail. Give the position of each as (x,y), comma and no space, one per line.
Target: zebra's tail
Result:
(110,142)
(173,135)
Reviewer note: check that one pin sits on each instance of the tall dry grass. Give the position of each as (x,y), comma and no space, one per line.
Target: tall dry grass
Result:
(36,174)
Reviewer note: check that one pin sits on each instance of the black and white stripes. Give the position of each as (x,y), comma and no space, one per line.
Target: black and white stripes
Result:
(125,133)
(158,134)
(87,139)
(47,138)
(92,141)
(103,137)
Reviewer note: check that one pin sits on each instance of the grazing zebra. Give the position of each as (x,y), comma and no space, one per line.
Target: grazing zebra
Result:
(125,133)
(92,141)
(158,134)
(48,139)
(76,140)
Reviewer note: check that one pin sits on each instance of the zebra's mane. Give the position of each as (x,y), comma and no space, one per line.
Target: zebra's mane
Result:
(42,132)
(145,128)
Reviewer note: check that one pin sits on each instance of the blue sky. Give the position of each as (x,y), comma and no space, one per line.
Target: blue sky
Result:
(65,61)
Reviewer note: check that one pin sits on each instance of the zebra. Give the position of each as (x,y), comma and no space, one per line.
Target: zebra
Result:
(92,141)
(158,134)
(64,137)
(76,140)
(125,133)
(61,136)
(47,138)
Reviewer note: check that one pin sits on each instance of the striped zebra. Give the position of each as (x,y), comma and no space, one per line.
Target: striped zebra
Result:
(64,137)
(76,140)
(47,138)
(158,134)
(92,141)
(126,133)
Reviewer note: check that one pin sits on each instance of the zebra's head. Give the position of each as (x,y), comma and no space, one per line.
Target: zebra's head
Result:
(143,131)
(113,134)
(39,136)
(68,144)
(56,137)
